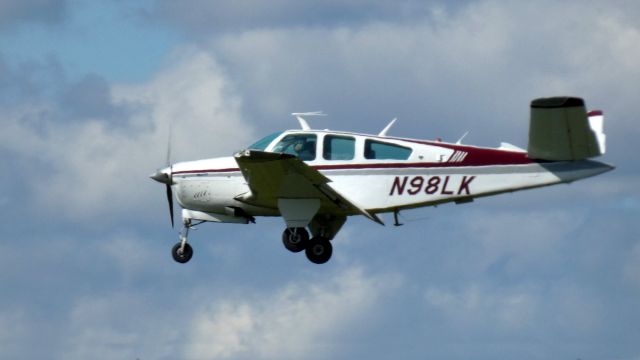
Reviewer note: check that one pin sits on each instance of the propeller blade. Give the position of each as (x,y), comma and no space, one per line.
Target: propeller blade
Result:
(170,200)
(168,159)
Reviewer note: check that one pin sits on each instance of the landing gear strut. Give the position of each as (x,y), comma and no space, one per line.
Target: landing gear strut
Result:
(182,251)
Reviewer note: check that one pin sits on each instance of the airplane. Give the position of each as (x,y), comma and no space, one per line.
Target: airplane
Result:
(315,179)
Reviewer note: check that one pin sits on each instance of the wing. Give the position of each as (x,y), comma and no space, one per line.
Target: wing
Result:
(273,177)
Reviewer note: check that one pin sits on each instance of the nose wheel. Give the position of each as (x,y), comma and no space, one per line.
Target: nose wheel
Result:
(182,254)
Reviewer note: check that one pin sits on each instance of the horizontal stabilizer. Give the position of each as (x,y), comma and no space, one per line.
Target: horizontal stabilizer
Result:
(560,129)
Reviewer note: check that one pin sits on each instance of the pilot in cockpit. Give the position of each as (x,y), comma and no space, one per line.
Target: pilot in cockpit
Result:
(304,149)
(301,145)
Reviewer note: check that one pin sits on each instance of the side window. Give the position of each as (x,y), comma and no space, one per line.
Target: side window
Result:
(339,147)
(384,151)
(300,145)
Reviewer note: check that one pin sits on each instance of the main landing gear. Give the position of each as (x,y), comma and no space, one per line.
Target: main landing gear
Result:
(317,249)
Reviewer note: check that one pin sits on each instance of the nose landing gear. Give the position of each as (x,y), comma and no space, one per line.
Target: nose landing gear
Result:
(182,251)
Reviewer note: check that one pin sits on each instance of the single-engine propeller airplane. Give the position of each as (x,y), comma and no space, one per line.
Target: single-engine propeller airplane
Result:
(315,179)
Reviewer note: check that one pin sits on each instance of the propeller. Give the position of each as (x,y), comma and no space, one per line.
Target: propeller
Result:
(170,200)
(165,176)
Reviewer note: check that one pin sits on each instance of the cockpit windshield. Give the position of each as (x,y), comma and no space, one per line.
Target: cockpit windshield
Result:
(262,144)
(300,145)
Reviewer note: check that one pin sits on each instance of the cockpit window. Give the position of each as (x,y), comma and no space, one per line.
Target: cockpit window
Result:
(265,141)
(339,147)
(300,145)
(385,151)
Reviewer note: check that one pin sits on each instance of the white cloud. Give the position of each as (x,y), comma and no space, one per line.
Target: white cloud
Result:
(475,306)
(119,326)
(563,310)
(505,243)
(94,167)
(297,321)
(475,68)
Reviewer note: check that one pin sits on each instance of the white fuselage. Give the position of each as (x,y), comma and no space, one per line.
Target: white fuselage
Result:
(433,173)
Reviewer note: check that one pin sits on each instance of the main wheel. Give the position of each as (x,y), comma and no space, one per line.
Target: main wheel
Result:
(319,250)
(295,239)
(182,256)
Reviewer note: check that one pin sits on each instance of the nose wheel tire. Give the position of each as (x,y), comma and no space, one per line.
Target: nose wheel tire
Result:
(319,250)
(182,255)
(295,239)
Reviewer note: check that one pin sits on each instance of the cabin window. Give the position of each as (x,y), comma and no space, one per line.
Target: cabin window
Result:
(264,142)
(300,145)
(385,151)
(339,147)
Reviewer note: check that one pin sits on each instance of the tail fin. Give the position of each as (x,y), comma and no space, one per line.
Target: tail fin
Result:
(561,129)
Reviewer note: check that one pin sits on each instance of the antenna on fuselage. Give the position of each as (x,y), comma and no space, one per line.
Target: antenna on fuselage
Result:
(384,131)
(303,123)
(459,142)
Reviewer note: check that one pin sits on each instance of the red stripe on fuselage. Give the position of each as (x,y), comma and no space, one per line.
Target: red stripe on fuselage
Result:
(206,171)
(478,158)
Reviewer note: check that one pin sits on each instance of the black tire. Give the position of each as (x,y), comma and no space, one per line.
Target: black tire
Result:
(295,239)
(182,256)
(319,250)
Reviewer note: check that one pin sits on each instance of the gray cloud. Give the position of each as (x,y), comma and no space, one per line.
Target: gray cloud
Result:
(35,11)
(90,97)
(30,80)
(203,18)
(112,130)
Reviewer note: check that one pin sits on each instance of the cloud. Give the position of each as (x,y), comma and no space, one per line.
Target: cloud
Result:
(119,325)
(296,321)
(14,328)
(203,18)
(632,266)
(37,11)
(90,98)
(448,72)
(503,245)
(475,306)
(95,165)
(549,313)
(29,81)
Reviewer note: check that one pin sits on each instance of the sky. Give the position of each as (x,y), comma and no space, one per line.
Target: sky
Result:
(89,90)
